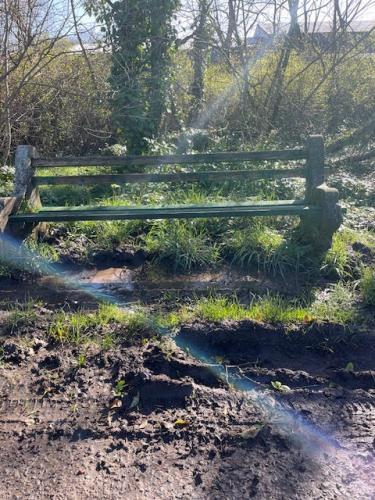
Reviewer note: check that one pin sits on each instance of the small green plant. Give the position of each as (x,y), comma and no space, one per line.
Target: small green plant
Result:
(82,360)
(108,342)
(278,386)
(119,388)
(349,367)
(367,286)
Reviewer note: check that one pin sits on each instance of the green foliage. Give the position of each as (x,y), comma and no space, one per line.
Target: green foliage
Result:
(278,386)
(119,389)
(271,308)
(59,106)
(341,260)
(22,315)
(142,34)
(42,250)
(183,244)
(367,286)
(81,327)
(336,305)
(267,250)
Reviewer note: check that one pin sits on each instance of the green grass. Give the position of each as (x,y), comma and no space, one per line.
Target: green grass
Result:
(367,286)
(181,244)
(81,327)
(268,250)
(271,309)
(21,314)
(336,305)
(341,260)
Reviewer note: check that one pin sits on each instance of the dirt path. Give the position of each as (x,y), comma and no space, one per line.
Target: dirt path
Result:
(184,428)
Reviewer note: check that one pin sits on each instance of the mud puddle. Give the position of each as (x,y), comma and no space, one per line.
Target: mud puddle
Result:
(122,285)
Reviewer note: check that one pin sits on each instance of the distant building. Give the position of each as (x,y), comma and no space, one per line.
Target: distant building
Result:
(321,33)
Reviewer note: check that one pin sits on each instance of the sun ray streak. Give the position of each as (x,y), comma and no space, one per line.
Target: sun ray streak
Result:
(311,439)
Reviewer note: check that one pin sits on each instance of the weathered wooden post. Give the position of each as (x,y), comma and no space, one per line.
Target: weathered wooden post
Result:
(23,191)
(23,186)
(314,165)
(320,227)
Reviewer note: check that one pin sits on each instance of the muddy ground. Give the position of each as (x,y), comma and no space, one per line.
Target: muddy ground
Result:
(196,418)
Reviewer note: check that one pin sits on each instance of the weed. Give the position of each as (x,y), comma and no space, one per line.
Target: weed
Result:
(21,315)
(119,388)
(278,386)
(367,286)
(266,249)
(341,260)
(336,304)
(108,342)
(82,360)
(183,244)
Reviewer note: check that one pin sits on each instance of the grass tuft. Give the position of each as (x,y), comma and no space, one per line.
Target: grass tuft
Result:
(336,305)
(367,286)
(182,244)
(266,249)
(81,326)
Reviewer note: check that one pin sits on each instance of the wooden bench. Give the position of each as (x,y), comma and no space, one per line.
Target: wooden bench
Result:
(319,210)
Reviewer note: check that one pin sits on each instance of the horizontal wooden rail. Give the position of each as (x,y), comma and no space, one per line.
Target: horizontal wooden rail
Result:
(229,175)
(176,212)
(218,205)
(124,161)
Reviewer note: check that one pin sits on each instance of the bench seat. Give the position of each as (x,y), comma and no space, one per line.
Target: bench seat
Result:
(221,209)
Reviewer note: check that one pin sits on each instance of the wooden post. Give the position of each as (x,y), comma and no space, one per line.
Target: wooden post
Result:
(23,186)
(319,229)
(314,165)
(25,191)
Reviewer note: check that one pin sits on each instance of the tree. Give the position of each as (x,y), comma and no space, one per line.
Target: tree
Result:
(199,51)
(142,36)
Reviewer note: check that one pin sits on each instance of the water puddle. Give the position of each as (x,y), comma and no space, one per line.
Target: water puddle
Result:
(145,284)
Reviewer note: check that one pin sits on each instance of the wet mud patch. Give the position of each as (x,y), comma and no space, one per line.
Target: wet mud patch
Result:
(202,421)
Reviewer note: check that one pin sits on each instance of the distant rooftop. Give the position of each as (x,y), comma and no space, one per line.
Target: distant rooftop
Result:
(316,27)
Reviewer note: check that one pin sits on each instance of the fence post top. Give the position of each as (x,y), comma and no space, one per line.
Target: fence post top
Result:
(314,137)
(25,150)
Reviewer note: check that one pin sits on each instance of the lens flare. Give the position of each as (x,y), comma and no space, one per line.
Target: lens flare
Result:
(310,439)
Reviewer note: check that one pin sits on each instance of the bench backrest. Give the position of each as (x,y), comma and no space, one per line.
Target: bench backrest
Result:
(312,170)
